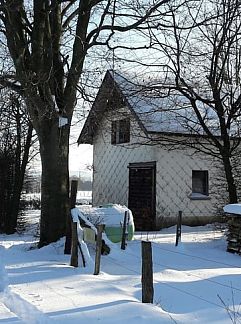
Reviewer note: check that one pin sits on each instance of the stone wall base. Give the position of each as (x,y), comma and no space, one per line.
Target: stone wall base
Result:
(189,221)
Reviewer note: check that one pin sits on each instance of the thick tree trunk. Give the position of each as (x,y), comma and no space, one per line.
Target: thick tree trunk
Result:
(231,186)
(54,150)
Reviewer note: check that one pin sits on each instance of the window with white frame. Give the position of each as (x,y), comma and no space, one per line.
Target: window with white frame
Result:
(120,131)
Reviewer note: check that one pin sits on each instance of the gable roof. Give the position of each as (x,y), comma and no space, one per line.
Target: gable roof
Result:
(109,92)
(157,112)
(153,113)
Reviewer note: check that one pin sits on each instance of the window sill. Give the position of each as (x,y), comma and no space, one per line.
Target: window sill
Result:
(119,144)
(199,196)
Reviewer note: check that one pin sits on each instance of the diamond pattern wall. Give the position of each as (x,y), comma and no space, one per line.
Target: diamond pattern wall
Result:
(173,176)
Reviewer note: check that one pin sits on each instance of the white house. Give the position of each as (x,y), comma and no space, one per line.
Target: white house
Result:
(137,162)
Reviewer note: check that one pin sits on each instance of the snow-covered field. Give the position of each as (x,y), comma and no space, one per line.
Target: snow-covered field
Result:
(196,282)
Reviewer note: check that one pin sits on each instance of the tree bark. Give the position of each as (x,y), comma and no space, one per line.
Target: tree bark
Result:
(54,150)
(231,186)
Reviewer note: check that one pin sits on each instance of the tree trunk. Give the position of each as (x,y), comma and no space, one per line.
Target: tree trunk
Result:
(54,151)
(231,186)
(19,174)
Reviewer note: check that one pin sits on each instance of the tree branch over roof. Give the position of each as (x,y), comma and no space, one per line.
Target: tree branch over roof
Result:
(140,20)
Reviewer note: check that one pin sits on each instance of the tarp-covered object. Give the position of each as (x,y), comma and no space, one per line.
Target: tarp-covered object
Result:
(112,216)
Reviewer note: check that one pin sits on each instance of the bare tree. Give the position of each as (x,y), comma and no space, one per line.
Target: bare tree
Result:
(200,76)
(48,41)
(16,140)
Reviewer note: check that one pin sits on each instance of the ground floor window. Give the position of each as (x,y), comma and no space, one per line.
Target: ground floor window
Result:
(200,183)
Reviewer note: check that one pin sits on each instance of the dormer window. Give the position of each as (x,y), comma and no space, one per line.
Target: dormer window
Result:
(120,131)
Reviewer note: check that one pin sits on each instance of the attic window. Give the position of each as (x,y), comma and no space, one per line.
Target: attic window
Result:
(120,131)
(199,184)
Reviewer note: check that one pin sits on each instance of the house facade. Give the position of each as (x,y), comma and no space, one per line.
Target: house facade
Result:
(145,169)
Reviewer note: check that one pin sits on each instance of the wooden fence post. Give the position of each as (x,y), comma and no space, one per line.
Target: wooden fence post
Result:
(74,234)
(73,194)
(179,227)
(74,246)
(123,241)
(100,229)
(147,273)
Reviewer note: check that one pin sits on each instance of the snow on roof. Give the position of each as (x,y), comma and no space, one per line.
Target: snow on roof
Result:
(232,209)
(158,112)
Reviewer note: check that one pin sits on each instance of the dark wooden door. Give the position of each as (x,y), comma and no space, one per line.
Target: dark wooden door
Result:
(142,194)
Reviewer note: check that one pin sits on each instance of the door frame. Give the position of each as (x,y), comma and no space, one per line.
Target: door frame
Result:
(146,165)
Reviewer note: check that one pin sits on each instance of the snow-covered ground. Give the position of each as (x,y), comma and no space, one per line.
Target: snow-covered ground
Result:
(196,282)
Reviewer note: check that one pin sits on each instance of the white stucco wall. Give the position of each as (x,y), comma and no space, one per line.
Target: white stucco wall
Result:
(110,162)
(174,186)
(173,176)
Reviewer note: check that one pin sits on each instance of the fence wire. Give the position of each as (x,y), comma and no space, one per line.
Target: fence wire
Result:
(159,266)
